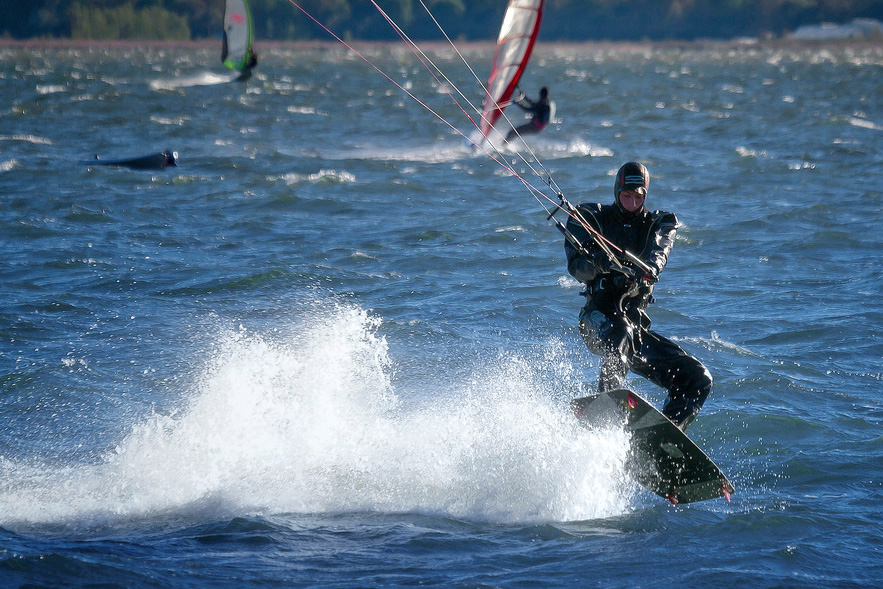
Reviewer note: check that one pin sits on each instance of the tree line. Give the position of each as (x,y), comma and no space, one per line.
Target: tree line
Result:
(463,20)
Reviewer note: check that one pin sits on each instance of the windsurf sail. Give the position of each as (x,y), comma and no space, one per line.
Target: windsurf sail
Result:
(521,25)
(236,51)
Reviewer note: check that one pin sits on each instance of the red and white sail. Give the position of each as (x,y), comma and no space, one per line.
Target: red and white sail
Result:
(521,25)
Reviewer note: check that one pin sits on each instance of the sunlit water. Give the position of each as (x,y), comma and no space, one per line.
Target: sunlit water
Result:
(335,346)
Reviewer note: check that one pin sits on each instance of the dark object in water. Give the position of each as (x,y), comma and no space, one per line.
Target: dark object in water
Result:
(154,161)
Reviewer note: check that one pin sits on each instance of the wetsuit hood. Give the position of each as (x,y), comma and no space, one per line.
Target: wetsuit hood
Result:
(631,176)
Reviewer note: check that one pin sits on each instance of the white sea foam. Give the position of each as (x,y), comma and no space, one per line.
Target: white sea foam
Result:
(320,176)
(27,138)
(863,123)
(50,88)
(203,79)
(305,110)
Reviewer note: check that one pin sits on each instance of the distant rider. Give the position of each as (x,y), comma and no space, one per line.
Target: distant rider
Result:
(540,109)
(614,322)
(249,65)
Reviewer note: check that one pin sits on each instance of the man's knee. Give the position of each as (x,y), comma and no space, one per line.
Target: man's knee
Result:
(607,335)
(701,384)
(705,383)
(686,397)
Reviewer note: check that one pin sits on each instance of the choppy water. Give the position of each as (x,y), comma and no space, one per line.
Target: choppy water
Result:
(335,347)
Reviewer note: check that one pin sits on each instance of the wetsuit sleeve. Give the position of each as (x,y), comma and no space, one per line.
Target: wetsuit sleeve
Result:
(543,113)
(584,265)
(525,103)
(662,239)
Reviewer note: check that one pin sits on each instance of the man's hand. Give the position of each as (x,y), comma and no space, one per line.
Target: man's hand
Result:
(602,262)
(623,277)
(649,277)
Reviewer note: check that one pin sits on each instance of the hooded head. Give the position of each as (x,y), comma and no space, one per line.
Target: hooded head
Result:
(634,177)
(544,92)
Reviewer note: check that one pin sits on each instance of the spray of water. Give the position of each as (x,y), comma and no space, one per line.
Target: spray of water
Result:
(311,423)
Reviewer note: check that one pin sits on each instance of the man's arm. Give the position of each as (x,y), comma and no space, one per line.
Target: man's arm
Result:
(590,261)
(661,240)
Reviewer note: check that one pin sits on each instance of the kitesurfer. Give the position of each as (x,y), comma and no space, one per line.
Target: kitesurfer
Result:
(541,109)
(614,323)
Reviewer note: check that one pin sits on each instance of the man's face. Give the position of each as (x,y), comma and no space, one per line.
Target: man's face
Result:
(631,200)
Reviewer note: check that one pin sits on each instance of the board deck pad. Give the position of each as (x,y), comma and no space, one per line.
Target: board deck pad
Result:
(661,457)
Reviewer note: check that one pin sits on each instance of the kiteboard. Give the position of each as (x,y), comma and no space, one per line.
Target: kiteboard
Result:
(661,457)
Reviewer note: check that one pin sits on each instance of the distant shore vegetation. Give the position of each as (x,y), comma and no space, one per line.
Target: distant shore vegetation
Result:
(463,20)
(126,22)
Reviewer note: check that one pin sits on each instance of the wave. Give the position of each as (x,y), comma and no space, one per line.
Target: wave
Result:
(27,138)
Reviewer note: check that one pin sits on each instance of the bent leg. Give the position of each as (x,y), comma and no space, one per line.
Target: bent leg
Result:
(611,338)
(686,379)
(526,129)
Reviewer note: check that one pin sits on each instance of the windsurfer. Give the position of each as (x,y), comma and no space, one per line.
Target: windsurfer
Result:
(541,110)
(238,36)
(249,65)
(614,322)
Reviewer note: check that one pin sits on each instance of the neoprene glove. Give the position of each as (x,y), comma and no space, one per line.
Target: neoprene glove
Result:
(601,262)
(651,277)
(623,277)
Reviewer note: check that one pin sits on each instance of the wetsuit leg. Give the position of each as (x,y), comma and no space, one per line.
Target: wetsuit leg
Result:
(686,379)
(523,130)
(611,338)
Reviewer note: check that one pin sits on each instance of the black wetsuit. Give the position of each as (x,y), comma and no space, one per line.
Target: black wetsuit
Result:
(246,71)
(541,110)
(614,322)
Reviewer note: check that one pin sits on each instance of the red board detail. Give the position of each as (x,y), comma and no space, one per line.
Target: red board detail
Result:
(633,403)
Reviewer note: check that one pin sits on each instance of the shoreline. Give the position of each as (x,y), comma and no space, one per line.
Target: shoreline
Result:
(436,45)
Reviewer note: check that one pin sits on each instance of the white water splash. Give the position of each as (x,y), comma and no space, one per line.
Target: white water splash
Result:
(202,79)
(312,425)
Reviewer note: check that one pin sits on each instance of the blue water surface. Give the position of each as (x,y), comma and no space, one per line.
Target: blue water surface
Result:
(335,346)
